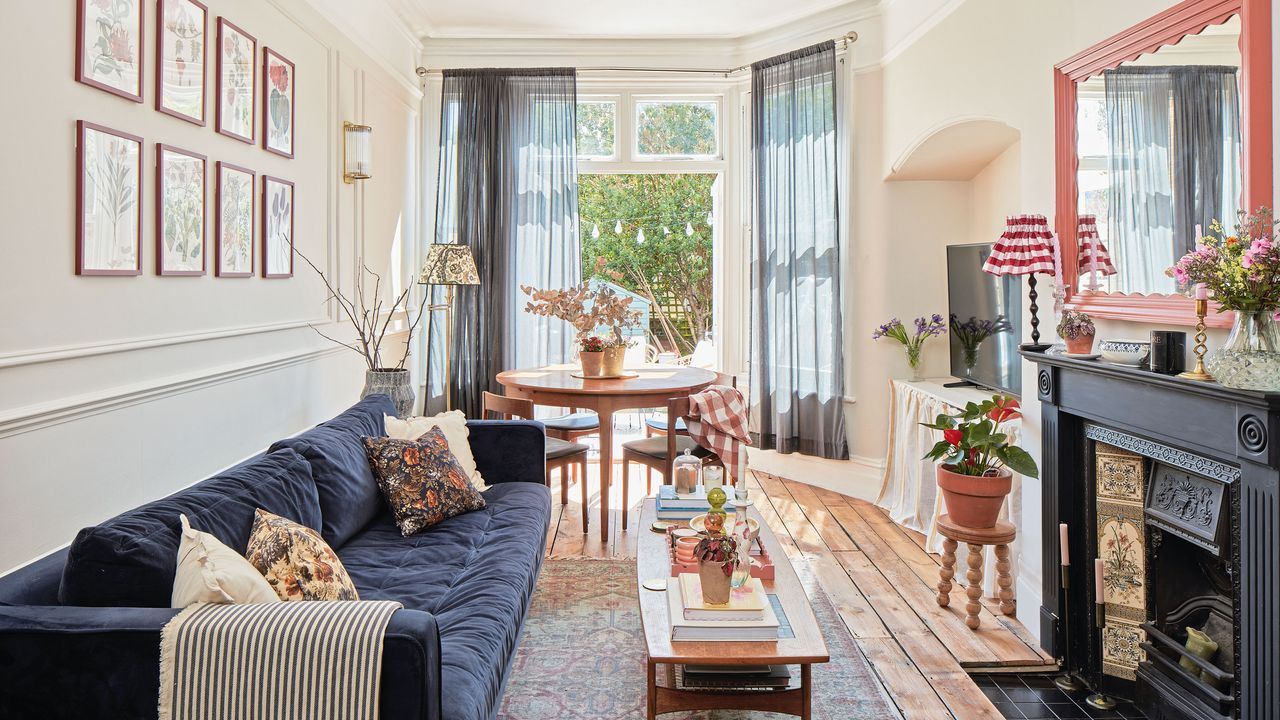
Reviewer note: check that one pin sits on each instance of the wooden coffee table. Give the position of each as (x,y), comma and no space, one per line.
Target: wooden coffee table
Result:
(806,648)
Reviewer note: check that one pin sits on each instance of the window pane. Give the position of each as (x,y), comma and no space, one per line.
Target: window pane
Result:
(596,122)
(677,128)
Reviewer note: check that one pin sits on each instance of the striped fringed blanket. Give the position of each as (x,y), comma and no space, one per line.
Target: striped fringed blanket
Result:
(287,660)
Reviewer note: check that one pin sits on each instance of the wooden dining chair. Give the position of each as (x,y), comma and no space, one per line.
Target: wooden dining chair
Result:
(658,425)
(561,454)
(659,453)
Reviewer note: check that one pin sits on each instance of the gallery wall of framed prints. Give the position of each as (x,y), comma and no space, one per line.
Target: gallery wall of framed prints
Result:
(247,86)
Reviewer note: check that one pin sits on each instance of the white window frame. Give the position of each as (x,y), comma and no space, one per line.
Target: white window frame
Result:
(617,123)
(717,101)
(731,258)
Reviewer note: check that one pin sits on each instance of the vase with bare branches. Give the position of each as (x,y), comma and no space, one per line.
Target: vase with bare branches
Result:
(371,323)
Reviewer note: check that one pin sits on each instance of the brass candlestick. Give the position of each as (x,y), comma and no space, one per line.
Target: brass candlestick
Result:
(1100,699)
(1199,373)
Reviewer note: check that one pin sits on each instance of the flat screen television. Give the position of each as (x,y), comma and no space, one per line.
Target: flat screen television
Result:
(985,313)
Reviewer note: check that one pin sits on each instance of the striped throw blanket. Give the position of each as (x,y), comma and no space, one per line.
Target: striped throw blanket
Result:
(286,660)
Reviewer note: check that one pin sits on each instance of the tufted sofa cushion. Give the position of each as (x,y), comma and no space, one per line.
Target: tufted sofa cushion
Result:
(475,572)
(130,560)
(349,496)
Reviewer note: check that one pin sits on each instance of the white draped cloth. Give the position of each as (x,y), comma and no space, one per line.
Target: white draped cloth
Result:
(909,489)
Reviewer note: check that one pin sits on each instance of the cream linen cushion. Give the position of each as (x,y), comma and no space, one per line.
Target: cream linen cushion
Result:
(454,426)
(209,571)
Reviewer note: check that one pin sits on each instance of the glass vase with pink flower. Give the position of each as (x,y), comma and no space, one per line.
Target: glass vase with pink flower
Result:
(1241,272)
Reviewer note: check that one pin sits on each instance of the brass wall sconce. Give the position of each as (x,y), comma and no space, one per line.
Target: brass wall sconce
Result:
(357,152)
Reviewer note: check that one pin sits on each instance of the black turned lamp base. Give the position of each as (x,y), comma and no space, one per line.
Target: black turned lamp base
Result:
(1034,347)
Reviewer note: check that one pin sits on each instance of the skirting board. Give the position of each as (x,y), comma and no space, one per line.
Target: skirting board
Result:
(857,477)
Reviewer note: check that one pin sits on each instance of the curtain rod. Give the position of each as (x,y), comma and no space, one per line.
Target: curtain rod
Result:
(841,43)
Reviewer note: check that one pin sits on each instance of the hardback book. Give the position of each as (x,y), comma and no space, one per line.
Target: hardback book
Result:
(678,514)
(683,630)
(728,676)
(669,498)
(745,603)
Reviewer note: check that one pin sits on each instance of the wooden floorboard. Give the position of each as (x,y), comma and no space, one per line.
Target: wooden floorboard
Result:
(879,576)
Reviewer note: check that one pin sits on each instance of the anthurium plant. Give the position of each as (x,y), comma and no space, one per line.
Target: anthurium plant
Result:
(973,444)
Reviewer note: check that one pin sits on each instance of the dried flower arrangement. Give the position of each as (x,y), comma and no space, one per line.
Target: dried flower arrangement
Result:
(586,308)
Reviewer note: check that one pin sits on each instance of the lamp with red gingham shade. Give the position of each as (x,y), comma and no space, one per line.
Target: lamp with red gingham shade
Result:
(1094,257)
(1025,248)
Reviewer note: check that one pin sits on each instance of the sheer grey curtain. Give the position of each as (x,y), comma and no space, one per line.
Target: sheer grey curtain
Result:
(508,189)
(797,363)
(1174,163)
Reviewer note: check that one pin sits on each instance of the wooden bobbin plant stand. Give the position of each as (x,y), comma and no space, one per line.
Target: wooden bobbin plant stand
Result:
(976,538)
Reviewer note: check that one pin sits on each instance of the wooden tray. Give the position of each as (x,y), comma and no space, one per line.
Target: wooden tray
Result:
(624,375)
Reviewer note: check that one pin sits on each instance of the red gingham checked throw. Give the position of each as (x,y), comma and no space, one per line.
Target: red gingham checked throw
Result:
(719,416)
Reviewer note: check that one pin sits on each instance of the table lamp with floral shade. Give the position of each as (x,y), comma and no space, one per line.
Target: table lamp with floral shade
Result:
(448,264)
(1026,247)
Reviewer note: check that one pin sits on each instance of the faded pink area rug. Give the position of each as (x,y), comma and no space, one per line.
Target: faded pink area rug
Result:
(581,656)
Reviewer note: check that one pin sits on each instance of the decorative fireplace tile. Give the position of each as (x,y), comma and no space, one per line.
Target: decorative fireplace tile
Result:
(1121,474)
(1121,648)
(1121,531)
(1122,547)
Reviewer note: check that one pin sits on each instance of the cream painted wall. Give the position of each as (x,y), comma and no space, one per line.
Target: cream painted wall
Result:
(116,391)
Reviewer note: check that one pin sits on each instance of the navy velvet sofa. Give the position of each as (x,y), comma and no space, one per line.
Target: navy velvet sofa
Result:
(80,629)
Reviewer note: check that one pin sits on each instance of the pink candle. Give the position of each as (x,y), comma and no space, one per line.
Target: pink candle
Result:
(1198,233)
(1062,544)
(1099,594)
(1202,292)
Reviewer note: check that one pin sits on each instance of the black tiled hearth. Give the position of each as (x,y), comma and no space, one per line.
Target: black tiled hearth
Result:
(1035,697)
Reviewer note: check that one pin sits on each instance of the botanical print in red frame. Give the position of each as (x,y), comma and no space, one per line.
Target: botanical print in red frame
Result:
(277,227)
(234,221)
(182,53)
(277,112)
(180,235)
(108,201)
(237,96)
(109,46)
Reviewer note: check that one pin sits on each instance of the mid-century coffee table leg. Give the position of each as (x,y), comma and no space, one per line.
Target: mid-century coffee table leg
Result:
(605,412)
(806,688)
(946,572)
(651,709)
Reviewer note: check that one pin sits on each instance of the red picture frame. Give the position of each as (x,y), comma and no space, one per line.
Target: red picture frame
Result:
(204,90)
(265,211)
(268,53)
(220,122)
(82,127)
(219,270)
(81,36)
(1168,27)
(161,149)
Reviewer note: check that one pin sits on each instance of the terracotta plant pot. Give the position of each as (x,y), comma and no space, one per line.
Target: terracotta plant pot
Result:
(1082,345)
(715,583)
(972,500)
(592,362)
(613,359)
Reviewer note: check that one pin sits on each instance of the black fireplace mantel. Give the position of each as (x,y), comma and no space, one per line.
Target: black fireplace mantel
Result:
(1235,427)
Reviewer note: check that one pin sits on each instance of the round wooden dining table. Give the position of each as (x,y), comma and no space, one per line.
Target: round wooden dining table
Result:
(556,386)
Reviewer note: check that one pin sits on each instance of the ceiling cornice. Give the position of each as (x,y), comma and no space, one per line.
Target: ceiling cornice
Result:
(713,53)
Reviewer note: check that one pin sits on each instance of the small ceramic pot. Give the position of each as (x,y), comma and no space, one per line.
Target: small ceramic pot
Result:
(685,547)
(613,361)
(592,363)
(715,583)
(1082,345)
(974,500)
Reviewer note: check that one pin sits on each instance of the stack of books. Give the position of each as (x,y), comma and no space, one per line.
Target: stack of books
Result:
(748,616)
(673,506)
(736,677)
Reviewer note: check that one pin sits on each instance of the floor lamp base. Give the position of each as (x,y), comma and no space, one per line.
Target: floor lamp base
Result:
(1100,701)
(1067,681)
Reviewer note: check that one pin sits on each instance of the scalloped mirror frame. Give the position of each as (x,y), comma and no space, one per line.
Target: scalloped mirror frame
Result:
(1166,28)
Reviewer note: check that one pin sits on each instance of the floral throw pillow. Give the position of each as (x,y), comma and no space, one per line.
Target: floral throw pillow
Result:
(296,562)
(421,480)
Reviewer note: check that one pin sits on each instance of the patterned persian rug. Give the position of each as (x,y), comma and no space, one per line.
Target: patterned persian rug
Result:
(581,656)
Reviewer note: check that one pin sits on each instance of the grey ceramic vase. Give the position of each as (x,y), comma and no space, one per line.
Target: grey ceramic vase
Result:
(393,382)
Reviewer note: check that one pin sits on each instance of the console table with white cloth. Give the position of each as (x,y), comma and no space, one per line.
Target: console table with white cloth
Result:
(909,489)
